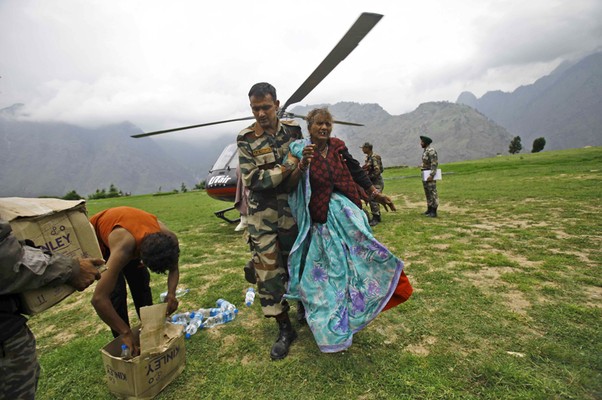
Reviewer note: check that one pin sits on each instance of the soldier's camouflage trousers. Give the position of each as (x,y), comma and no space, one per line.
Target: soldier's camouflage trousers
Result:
(19,368)
(272,232)
(374,205)
(430,190)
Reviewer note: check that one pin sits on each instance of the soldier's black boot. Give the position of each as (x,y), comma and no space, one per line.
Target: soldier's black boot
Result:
(301,313)
(286,336)
(375,219)
(428,211)
(249,269)
(433,213)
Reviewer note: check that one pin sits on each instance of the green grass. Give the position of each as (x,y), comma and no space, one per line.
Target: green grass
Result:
(507,301)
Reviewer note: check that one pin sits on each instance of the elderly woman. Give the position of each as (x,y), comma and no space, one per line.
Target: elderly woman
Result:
(343,276)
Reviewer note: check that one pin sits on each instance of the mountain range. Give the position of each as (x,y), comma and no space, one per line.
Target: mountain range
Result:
(564,107)
(51,159)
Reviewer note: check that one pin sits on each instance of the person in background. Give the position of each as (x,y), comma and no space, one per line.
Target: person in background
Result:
(343,276)
(240,202)
(374,168)
(131,241)
(24,268)
(262,148)
(430,162)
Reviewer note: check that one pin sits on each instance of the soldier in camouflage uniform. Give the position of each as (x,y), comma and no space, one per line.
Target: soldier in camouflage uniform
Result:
(374,168)
(262,148)
(430,162)
(24,268)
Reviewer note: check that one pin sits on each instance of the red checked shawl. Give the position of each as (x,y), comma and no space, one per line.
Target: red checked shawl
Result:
(327,175)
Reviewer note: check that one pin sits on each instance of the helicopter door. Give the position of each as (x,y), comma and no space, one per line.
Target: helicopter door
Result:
(228,159)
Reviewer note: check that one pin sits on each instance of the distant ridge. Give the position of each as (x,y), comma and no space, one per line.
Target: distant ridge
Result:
(564,107)
(458,132)
(51,159)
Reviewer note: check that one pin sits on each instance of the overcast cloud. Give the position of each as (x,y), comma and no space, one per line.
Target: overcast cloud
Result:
(162,64)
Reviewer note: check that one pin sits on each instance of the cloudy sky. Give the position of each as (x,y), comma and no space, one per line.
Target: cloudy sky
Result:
(162,64)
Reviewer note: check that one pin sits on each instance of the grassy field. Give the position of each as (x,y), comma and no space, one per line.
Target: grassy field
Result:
(507,301)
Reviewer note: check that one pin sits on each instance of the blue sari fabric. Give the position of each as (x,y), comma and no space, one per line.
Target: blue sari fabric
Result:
(340,272)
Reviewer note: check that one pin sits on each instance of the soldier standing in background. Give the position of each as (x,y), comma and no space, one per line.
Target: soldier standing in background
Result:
(430,162)
(374,168)
(262,148)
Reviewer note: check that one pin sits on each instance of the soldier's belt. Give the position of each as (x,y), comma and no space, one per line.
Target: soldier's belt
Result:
(266,166)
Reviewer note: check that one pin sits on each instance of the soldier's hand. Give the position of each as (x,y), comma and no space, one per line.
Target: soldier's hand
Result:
(88,273)
(386,202)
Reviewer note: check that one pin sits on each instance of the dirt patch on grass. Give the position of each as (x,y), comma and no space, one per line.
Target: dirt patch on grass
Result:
(490,280)
(489,277)
(517,302)
(594,295)
(422,348)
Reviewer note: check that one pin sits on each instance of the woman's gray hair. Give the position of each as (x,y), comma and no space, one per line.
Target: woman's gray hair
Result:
(311,116)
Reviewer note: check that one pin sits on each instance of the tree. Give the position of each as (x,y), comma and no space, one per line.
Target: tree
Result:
(72,195)
(515,145)
(538,145)
(113,191)
(183,188)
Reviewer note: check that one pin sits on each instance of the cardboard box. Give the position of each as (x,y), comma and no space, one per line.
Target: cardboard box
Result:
(162,358)
(56,225)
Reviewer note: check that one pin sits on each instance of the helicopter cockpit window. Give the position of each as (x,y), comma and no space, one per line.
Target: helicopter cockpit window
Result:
(228,158)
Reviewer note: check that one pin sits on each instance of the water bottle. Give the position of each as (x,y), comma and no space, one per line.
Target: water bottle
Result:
(250,297)
(194,325)
(221,318)
(181,318)
(208,312)
(179,293)
(125,352)
(226,306)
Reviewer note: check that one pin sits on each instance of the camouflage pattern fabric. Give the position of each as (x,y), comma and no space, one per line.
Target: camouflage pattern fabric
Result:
(430,161)
(272,229)
(430,190)
(374,171)
(19,366)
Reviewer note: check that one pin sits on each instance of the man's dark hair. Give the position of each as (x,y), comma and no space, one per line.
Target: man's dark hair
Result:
(159,252)
(262,89)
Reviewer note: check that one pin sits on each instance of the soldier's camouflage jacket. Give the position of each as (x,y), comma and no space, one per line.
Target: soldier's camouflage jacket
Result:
(374,168)
(261,159)
(24,268)
(430,160)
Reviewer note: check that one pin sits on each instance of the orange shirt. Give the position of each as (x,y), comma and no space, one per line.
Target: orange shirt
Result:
(137,222)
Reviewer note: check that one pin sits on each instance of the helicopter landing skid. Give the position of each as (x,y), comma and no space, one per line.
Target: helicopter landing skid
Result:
(222,214)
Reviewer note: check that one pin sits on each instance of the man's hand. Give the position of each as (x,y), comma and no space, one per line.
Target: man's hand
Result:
(130,342)
(172,303)
(88,273)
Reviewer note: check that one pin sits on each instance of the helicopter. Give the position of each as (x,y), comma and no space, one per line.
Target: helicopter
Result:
(221,182)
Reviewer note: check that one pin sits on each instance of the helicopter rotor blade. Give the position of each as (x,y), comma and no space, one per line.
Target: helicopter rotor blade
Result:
(346,45)
(303,117)
(190,127)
